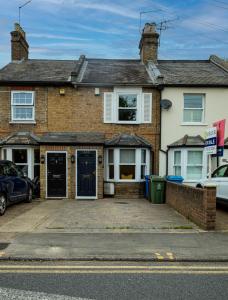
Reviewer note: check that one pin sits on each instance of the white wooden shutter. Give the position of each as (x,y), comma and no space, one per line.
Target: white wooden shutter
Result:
(146,108)
(108,107)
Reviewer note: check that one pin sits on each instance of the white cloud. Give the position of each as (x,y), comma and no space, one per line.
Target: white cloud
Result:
(55,36)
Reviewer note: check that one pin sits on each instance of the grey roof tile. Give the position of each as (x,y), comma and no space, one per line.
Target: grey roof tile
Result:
(21,138)
(73,138)
(116,71)
(127,140)
(195,72)
(188,141)
(33,70)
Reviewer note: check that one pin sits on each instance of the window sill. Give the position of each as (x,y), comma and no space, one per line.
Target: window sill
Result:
(22,122)
(193,124)
(127,180)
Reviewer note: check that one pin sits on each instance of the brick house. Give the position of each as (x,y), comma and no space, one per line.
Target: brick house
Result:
(78,124)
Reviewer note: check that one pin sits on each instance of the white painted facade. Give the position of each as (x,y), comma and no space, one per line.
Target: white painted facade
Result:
(173,128)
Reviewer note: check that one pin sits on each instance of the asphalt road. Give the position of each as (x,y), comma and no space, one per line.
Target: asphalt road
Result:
(113,281)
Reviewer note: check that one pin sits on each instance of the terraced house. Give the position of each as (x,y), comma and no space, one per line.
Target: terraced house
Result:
(81,123)
(90,127)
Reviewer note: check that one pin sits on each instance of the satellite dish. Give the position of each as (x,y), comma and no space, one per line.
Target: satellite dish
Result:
(166,104)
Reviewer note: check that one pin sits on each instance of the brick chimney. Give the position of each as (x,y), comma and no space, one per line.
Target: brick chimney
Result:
(148,44)
(19,45)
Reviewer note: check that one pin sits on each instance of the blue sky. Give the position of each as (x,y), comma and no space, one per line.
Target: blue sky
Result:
(64,29)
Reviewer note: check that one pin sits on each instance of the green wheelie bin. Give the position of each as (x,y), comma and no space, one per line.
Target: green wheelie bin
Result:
(157,189)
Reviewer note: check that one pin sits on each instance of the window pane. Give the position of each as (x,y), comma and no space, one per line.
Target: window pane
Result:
(194,173)
(19,156)
(127,172)
(177,158)
(4,154)
(36,156)
(193,115)
(143,171)
(127,114)
(127,156)
(110,156)
(143,156)
(23,168)
(195,157)
(111,172)
(128,100)
(177,171)
(193,101)
(222,172)
(22,113)
(22,98)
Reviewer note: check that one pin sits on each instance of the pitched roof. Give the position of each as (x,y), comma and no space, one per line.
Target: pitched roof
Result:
(20,138)
(188,141)
(73,138)
(116,71)
(192,72)
(38,70)
(127,140)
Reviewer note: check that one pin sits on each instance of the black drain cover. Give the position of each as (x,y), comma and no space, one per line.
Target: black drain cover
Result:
(121,202)
(3,246)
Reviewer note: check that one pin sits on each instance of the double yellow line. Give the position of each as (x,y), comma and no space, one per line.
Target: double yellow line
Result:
(173,269)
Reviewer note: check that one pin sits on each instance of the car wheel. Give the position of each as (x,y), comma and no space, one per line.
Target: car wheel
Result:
(29,196)
(2,204)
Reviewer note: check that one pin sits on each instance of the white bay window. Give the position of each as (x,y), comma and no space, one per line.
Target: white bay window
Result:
(190,163)
(27,159)
(127,164)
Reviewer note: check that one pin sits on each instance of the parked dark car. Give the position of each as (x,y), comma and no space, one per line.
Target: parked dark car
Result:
(14,185)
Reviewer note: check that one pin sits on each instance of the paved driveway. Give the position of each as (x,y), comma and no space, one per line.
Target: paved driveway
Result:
(106,215)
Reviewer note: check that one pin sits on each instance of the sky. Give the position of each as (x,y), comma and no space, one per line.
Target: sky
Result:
(65,29)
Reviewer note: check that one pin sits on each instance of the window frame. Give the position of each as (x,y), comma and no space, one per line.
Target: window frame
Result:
(128,91)
(30,156)
(110,164)
(177,165)
(184,162)
(202,122)
(19,120)
(116,156)
(194,165)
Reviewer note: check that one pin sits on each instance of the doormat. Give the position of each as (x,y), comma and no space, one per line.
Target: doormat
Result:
(122,202)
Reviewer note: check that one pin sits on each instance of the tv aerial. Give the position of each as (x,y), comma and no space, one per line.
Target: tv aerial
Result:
(19,10)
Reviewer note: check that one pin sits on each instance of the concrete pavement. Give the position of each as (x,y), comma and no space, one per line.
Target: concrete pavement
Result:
(107,229)
(205,246)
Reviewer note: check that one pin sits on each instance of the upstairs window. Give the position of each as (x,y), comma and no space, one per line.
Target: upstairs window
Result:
(193,108)
(127,106)
(127,109)
(22,106)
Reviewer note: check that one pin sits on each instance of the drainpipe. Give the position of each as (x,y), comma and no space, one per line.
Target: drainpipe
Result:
(160,149)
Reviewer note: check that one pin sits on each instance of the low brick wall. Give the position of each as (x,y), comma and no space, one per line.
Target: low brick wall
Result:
(129,190)
(198,205)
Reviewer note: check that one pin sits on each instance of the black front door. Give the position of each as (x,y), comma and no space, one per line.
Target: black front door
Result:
(86,173)
(56,174)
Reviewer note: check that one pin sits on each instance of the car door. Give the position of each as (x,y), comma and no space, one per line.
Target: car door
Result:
(17,185)
(220,176)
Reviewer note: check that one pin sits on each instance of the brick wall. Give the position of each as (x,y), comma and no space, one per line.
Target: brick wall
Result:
(198,205)
(71,180)
(129,190)
(77,111)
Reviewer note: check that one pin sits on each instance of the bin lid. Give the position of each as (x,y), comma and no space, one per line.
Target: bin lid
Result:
(156,178)
(174,178)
